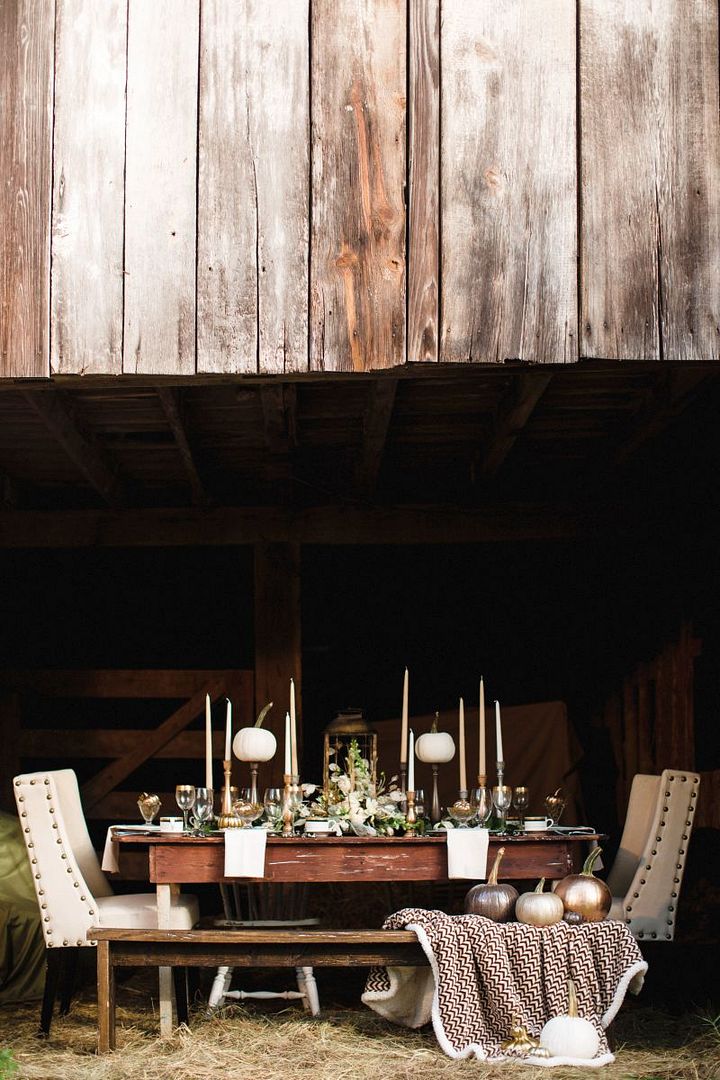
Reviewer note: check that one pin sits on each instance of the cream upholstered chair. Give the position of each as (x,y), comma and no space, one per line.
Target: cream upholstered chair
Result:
(647,874)
(72,891)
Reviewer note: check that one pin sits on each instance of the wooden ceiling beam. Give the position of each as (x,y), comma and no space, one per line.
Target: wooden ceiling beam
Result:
(319,525)
(376,424)
(80,446)
(513,412)
(667,397)
(171,401)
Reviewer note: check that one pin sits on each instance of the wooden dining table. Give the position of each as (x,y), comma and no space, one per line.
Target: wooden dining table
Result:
(178,859)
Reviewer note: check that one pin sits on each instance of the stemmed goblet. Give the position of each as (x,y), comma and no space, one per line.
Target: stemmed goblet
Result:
(420,802)
(185,798)
(502,798)
(272,802)
(521,799)
(482,804)
(203,808)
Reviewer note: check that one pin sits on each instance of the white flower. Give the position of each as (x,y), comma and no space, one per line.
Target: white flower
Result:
(343,782)
(309,789)
(396,796)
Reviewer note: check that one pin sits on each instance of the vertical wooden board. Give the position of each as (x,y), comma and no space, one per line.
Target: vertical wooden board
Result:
(423,180)
(357,261)
(88,187)
(650,163)
(26,45)
(508,181)
(253,187)
(160,193)
(278,652)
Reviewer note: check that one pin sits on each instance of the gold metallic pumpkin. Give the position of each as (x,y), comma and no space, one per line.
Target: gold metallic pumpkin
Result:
(585,894)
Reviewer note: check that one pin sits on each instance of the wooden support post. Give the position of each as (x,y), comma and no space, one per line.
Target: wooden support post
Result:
(278,640)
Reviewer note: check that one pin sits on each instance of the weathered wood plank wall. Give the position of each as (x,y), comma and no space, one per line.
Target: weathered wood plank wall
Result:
(508,152)
(346,185)
(253,193)
(26,104)
(650,235)
(88,187)
(357,260)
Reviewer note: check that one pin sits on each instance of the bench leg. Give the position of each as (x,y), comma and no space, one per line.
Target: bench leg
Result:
(165,978)
(106,998)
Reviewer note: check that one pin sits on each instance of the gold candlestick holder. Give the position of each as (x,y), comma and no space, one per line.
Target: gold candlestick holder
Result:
(410,814)
(436,812)
(403,778)
(482,780)
(227,819)
(291,795)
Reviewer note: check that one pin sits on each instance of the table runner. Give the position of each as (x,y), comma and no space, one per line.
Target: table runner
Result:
(483,974)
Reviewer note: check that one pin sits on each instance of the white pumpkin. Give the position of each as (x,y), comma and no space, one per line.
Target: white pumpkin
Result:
(570,1036)
(435,747)
(539,908)
(254,744)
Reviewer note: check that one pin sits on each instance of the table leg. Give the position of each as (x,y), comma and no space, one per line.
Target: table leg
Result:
(164,902)
(106,998)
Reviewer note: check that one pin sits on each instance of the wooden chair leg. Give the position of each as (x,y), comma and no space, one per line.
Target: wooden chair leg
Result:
(53,963)
(181,994)
(68,979)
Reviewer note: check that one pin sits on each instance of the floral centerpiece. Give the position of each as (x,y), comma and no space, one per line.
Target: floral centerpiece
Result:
(358,802)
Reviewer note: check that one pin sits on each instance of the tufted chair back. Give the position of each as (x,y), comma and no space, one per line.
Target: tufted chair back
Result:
(65,868)
(647,874)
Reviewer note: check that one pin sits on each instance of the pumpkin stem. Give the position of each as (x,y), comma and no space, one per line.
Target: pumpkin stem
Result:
(263,713)
(493,876)
(590,861)
(434,727)
(572,999)
(540,885)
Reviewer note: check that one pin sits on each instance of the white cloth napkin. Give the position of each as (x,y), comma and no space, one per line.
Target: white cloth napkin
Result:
(467,853)
(245,853)
(110,863)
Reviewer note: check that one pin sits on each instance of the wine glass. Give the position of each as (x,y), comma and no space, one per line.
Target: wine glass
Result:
(272,801)
(247,808)
(420,802)
(481,801)
(521,798)
(502,798)
(185,798)
(203,807)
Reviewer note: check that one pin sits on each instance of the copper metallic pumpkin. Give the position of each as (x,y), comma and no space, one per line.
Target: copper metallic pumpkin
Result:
(585,894)
(493,901)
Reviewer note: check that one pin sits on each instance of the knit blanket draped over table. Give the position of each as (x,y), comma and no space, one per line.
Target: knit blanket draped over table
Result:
(483,975)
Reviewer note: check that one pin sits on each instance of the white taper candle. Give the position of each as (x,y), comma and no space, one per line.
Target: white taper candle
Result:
(208,744)
(228,729)
(411,762)
(482,771)
(498,732)
(404,728)
(461,730)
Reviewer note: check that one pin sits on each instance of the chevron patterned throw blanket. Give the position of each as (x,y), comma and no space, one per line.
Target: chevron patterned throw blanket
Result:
(483,974)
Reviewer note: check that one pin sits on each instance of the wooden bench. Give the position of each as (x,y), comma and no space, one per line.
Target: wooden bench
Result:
(240,948)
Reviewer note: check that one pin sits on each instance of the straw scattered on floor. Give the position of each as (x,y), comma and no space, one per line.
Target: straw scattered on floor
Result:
(346,1044)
